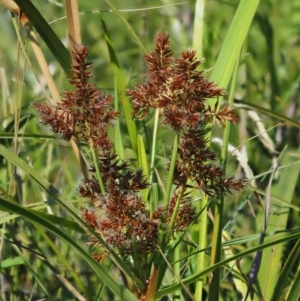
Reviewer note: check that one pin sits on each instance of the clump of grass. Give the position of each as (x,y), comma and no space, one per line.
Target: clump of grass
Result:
(178,91)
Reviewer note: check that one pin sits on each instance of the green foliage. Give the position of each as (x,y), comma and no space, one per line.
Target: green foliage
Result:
(252,47)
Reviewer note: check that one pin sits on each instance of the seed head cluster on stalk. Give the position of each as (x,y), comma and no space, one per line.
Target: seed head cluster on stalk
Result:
(179,91)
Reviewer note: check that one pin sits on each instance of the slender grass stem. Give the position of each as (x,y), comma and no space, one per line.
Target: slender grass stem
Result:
(153,150)
(175,211)
(217,232)
(214,286)
(202,233)
(98,173)
(171,171)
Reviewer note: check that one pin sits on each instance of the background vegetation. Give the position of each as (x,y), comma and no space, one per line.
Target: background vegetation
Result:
(40,255)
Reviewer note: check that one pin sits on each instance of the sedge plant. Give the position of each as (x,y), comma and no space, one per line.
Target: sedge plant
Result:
(143,232)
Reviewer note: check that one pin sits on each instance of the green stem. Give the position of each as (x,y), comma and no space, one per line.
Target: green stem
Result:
(98,173)
(171,171)
(175,211)
(177,268)
(153,203)
(168,193)
(214,286)
(202,228)
(154,145)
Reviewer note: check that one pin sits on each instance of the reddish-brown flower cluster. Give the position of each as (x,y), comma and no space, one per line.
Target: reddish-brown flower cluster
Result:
(124,222)
(185,216)
(84,113)
(119,215)
(180,91)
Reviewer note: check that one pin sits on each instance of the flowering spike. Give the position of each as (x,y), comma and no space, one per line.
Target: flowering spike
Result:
(83,113)
(180,91)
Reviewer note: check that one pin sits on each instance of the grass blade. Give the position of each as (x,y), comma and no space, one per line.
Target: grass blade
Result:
(198,276)
(31,216)
(233,43)
(271,261)
(294,293)
(221,75)
(54,44)
(286,271)
(142,164)
(32,270)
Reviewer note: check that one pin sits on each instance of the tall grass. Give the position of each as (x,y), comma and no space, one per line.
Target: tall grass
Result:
(243,246)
